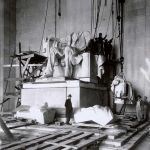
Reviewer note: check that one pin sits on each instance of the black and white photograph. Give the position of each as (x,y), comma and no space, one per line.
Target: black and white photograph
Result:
(74,74)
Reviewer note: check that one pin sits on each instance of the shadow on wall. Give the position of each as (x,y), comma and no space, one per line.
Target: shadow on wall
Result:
(146,72)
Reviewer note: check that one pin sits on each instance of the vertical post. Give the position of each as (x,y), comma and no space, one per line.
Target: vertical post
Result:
(20,60)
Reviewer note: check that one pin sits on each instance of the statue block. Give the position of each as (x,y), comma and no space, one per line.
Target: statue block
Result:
(85,71)
(84,94)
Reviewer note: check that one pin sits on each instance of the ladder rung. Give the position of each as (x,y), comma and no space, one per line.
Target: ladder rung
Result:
(11,95)
(14,79)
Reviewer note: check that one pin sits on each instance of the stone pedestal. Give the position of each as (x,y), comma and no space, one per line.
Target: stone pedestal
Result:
(84,94)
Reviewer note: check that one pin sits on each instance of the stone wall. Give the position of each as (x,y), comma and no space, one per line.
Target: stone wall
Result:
(75,17)
(9,48)
(137,44)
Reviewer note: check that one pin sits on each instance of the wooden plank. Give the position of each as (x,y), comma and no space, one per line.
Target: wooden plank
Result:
(93,125)
(121,141)
(50,147)
(115,136)
(27,56)
(20,125)
(108,147)
(30,139)
(49,143)
(114,133)
(9,120)
(87,125)
(135,140)
(78,138)
(11,96)
(90,141)
(85,135)
(26,65)
(86,142)
(34,142)
(59,139)
(131,123)
(6,130)
(17,65)
(55,147)
(93,130)
(63,138)
(129,145)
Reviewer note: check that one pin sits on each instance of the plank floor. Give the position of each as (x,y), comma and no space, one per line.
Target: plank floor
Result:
(124,136)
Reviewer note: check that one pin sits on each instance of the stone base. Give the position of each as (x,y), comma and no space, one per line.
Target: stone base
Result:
(84,94)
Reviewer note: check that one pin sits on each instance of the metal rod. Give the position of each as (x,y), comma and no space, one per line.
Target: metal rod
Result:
(20,60)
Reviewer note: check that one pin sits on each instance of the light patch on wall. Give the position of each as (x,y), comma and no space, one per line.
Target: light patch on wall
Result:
(146,72)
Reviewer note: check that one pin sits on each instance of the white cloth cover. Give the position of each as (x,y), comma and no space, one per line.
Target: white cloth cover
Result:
(100,62)
(99,114)
(34,114)
(120,90)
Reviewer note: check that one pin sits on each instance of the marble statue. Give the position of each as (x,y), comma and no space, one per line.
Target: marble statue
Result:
(53,53)
(70,54)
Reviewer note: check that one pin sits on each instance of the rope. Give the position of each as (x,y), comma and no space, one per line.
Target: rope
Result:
(113,29)
(120,15)
(55,17)
(92,14)
(45,20)
(101,17)
(109,20)
(122,29)
(59,9)
(97,19)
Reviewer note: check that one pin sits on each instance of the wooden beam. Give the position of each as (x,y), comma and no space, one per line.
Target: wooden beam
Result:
(6,130)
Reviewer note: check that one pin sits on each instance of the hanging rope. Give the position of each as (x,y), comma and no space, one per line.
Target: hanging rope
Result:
(92,15)
(114,23)
(109,20)
(45,20)
(122,27)
(55,17)
(120,17)
(97,18)
(101,17)
(59,9)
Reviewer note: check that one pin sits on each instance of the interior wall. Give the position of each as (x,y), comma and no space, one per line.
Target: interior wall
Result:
(9,49)
(1,46)
(137,45)
(75,17)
